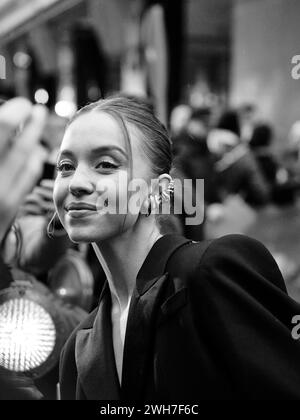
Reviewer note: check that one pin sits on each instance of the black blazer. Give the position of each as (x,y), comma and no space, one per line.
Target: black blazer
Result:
(208,320)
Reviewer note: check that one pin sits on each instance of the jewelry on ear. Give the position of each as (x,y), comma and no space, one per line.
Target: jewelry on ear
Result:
(170,188)
(156,200)
(55,228)
(50,227)
(166,195)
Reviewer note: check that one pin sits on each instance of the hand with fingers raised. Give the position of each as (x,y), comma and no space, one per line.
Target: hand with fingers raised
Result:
(40,201)
(21,155)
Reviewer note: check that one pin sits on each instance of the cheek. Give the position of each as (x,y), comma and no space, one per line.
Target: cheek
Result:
(60,192)
(113,190)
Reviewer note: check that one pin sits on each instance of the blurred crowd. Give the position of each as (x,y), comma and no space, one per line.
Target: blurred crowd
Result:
(233,151)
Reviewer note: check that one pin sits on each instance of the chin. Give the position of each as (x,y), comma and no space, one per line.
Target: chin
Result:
(86,235)
(96,230)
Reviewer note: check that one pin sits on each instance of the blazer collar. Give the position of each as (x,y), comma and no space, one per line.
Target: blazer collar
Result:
(155,263)
(142,317)
(94,348)
(94,355)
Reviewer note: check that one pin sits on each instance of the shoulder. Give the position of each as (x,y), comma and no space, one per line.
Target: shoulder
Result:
(240,309)
(235,246)
(232,245)
(236,258)
(244,252)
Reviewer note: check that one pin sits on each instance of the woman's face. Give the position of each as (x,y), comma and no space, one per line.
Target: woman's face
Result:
(92,156)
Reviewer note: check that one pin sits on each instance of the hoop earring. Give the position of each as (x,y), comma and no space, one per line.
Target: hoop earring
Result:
(55,228)
(50,227)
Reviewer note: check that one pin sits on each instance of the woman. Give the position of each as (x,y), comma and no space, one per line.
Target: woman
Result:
(177,320)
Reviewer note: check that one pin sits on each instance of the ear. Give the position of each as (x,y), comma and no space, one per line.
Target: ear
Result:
(159,186)
(163,182)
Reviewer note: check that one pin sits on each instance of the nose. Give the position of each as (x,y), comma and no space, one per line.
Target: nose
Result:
(81,183)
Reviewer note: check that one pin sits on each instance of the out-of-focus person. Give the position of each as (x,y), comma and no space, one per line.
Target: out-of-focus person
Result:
(247,120)
(21,163)
(21,155)
(282,186)
(229,120)
(199,122)
(238,170)
(260,144)
(197,162)
(179,118)
(194,160)
(294,136)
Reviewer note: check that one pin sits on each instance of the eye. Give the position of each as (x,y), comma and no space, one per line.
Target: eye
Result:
(65,167)
(106,165)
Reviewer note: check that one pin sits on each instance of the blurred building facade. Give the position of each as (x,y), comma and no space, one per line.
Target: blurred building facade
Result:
(80,43)
(265,36)
(236,51)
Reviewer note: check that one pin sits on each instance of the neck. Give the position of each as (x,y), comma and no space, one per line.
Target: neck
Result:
(121,258)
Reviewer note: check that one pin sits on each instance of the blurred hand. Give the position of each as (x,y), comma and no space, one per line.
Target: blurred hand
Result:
(21,156)
(40,201)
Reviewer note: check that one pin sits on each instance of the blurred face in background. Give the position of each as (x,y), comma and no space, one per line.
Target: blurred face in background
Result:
(179,118)
(197,128)
(93,155)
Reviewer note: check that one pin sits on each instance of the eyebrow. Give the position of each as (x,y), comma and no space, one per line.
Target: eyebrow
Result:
(96,151)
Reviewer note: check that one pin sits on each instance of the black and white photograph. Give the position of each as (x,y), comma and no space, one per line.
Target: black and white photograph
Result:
(149,203)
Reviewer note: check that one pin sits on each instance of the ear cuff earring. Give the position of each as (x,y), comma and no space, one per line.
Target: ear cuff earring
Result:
(55,228)
(164,196)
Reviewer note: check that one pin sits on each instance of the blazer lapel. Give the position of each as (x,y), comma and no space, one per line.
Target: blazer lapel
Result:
(142,317)
(95,356)
(94,352)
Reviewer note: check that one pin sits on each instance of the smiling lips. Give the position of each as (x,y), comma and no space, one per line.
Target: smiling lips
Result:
(80,206)
(80,210)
